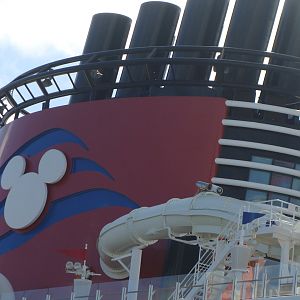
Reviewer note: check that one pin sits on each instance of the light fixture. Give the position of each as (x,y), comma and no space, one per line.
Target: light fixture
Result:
(69,266)
(96,74)
(47,82)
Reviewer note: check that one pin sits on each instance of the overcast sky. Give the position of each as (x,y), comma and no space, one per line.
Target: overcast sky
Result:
(34,32)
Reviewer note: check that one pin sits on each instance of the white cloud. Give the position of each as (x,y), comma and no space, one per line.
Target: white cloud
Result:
(34,32)
(35,25)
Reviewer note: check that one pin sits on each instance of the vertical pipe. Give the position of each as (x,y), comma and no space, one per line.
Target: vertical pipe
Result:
(287,41)
(155,26)
(134,274)
(107,31)
(201,25)
(250,28)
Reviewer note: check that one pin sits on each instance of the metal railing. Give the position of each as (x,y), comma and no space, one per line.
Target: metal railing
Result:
(52,84)
(209,259)
(267,284)
(275,212)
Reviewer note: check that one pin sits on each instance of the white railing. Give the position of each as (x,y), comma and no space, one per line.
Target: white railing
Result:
(276,212)
(282,210)
(267,284)
(209,259)
(192,278)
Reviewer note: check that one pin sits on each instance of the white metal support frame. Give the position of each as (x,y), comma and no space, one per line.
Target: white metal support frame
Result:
(134,274)
(151,292)
(133,270)
(206,213)
(286,245)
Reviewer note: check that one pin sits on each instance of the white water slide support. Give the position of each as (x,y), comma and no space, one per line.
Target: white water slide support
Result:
(204,214)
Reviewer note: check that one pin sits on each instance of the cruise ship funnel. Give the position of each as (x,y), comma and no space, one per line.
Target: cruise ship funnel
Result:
(155,26)
(201,25)
(107,31)
(250,28)
(287,41)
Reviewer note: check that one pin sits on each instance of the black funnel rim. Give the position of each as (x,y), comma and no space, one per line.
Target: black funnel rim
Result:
(109,14)
(159,3)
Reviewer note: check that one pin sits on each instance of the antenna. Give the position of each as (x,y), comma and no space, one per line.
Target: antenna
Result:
(82,270)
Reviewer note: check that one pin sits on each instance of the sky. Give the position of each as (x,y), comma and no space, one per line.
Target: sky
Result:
(34,32)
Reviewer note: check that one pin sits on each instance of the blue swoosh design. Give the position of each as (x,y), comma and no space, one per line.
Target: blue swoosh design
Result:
(46,139)
(65,208)
(80,164)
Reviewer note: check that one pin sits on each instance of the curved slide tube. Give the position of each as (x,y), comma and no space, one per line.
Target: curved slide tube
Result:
(205,213)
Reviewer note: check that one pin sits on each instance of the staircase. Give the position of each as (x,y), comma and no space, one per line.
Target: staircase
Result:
(210,258)
(215,257)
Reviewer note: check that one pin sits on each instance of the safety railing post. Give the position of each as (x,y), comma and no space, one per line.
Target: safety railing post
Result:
(295,284)
(150,292)
(265,283)
(205,289)
(255,283)
(233,297)
(124,293)
(177,291)
(98,295)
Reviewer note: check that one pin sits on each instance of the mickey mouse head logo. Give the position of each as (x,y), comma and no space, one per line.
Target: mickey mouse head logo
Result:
(28,192)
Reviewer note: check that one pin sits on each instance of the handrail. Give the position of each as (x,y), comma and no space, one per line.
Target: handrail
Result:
(189,288)
(152,290)
(14,101)
(195,275)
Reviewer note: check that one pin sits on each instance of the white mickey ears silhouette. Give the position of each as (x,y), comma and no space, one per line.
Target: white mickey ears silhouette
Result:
(52,166)
(25,201)
(13,170)
(27,197)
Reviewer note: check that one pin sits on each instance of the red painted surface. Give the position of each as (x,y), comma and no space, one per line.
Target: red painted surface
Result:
(156,148)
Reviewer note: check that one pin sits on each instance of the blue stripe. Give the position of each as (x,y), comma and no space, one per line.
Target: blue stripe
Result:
(65,208)
(248,217)
(80,164)
(49,138)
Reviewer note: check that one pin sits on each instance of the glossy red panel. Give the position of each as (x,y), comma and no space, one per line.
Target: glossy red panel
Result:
(121,154)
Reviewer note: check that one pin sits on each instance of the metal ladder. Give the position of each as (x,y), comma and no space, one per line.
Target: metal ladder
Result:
(192,285)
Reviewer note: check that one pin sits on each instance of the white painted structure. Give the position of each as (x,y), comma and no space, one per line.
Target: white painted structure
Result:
(216,223)
(202,215)
(28,192)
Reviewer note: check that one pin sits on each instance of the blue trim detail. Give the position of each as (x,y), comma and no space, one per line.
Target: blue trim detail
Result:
(80,164)
(248,217)
(46,139)
(67,207)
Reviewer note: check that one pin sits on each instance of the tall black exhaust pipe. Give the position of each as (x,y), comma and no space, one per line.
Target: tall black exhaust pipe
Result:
(107,31)
(250,28)
(201,25)
(155,26)
(287,41)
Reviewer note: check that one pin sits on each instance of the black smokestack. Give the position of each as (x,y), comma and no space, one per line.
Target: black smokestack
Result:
(107,32)
(250,28)
(201,25)
(287,41)
(155,26)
